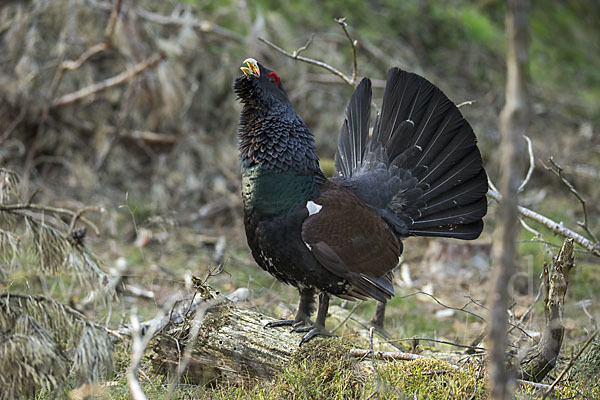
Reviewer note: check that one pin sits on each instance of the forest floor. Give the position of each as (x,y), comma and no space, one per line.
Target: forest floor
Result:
(441,288)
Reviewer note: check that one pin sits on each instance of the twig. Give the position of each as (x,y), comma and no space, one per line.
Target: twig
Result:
(358,303)
(388,355)
(555,227)
(526,313)
(112,21)
(137,352)
(466,103)
(56,210)
(73,65)
(78,214)
(307,60)
(196,324)
(371,351)
(531,165)
(477,379)
(108,83)
(557,170)
(306,45)
(535,384)
(540,237)
(353,43)
(415,338)
(570,364)
(397,355)
(444,305)
(146,136)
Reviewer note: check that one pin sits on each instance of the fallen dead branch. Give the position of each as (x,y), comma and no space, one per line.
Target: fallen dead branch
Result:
(554,226)
(98,87)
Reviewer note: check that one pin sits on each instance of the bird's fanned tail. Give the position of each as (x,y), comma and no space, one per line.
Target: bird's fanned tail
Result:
(420,167)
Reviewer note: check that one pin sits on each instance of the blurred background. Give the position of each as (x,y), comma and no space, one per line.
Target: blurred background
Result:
(133,111)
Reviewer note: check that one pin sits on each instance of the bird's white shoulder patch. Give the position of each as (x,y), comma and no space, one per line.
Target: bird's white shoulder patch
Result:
(313,208)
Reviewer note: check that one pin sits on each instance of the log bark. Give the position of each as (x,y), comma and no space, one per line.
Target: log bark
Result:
(542,357)
(231,344)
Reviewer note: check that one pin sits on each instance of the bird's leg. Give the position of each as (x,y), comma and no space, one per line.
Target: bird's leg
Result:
(318,329)
(379,316)
(305,309)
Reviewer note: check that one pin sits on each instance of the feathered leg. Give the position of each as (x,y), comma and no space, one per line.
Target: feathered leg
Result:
(318,329)
(305,309)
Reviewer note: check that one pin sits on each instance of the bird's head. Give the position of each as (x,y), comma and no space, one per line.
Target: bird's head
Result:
(259,87)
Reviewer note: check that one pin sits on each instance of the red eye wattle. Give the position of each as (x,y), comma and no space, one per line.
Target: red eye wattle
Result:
(274,75)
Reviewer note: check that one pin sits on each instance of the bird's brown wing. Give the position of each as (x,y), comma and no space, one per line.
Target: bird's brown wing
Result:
(350,240)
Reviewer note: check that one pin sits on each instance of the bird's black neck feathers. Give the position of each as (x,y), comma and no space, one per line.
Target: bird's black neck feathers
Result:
(271,134)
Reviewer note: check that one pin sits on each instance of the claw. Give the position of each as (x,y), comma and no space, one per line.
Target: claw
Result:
(315,331)
(281,322)
(301,328)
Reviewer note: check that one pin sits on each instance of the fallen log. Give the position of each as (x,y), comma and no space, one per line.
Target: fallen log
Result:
(231,343)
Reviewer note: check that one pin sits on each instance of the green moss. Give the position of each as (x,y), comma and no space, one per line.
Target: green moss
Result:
(432,379)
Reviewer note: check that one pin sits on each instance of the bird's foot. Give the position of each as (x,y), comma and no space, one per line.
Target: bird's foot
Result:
(313,331)
(295,324)
(280,322)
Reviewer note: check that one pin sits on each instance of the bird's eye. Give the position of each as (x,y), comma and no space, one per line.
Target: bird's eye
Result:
(273,77)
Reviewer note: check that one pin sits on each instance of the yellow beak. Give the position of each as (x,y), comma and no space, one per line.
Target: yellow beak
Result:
(252,67)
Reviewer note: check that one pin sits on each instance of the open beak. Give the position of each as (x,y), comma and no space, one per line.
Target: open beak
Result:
(252,67)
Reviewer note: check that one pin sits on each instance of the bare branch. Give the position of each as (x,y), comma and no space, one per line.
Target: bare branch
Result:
(555,227)
(146,136)
(108,83)
(137,352)
(557,170)
(15,208)
(306,46)
(73,65)
(112,21)
(307,60)
(539,236)
(466,103)
(353,43)
(371,351)
(398,355)
(358,303)
(387,355)
(531,164)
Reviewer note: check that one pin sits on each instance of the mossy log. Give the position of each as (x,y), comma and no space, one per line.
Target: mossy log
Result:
(231,343)
(542,357)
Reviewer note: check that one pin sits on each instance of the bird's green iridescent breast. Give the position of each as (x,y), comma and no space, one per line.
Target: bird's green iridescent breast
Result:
(271,192)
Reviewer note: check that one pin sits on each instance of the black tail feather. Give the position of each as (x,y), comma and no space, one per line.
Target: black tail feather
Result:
(428,146)
(352,140)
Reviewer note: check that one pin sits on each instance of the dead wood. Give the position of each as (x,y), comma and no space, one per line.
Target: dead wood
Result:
(542,357)
(232,344)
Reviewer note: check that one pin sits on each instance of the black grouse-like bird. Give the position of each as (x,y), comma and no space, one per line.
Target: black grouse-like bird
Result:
(419,173)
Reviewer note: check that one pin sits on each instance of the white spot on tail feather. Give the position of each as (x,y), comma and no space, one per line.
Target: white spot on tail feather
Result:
(313,208)
(308,246)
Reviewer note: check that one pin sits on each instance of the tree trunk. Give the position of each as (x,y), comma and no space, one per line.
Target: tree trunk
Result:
(513,124)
